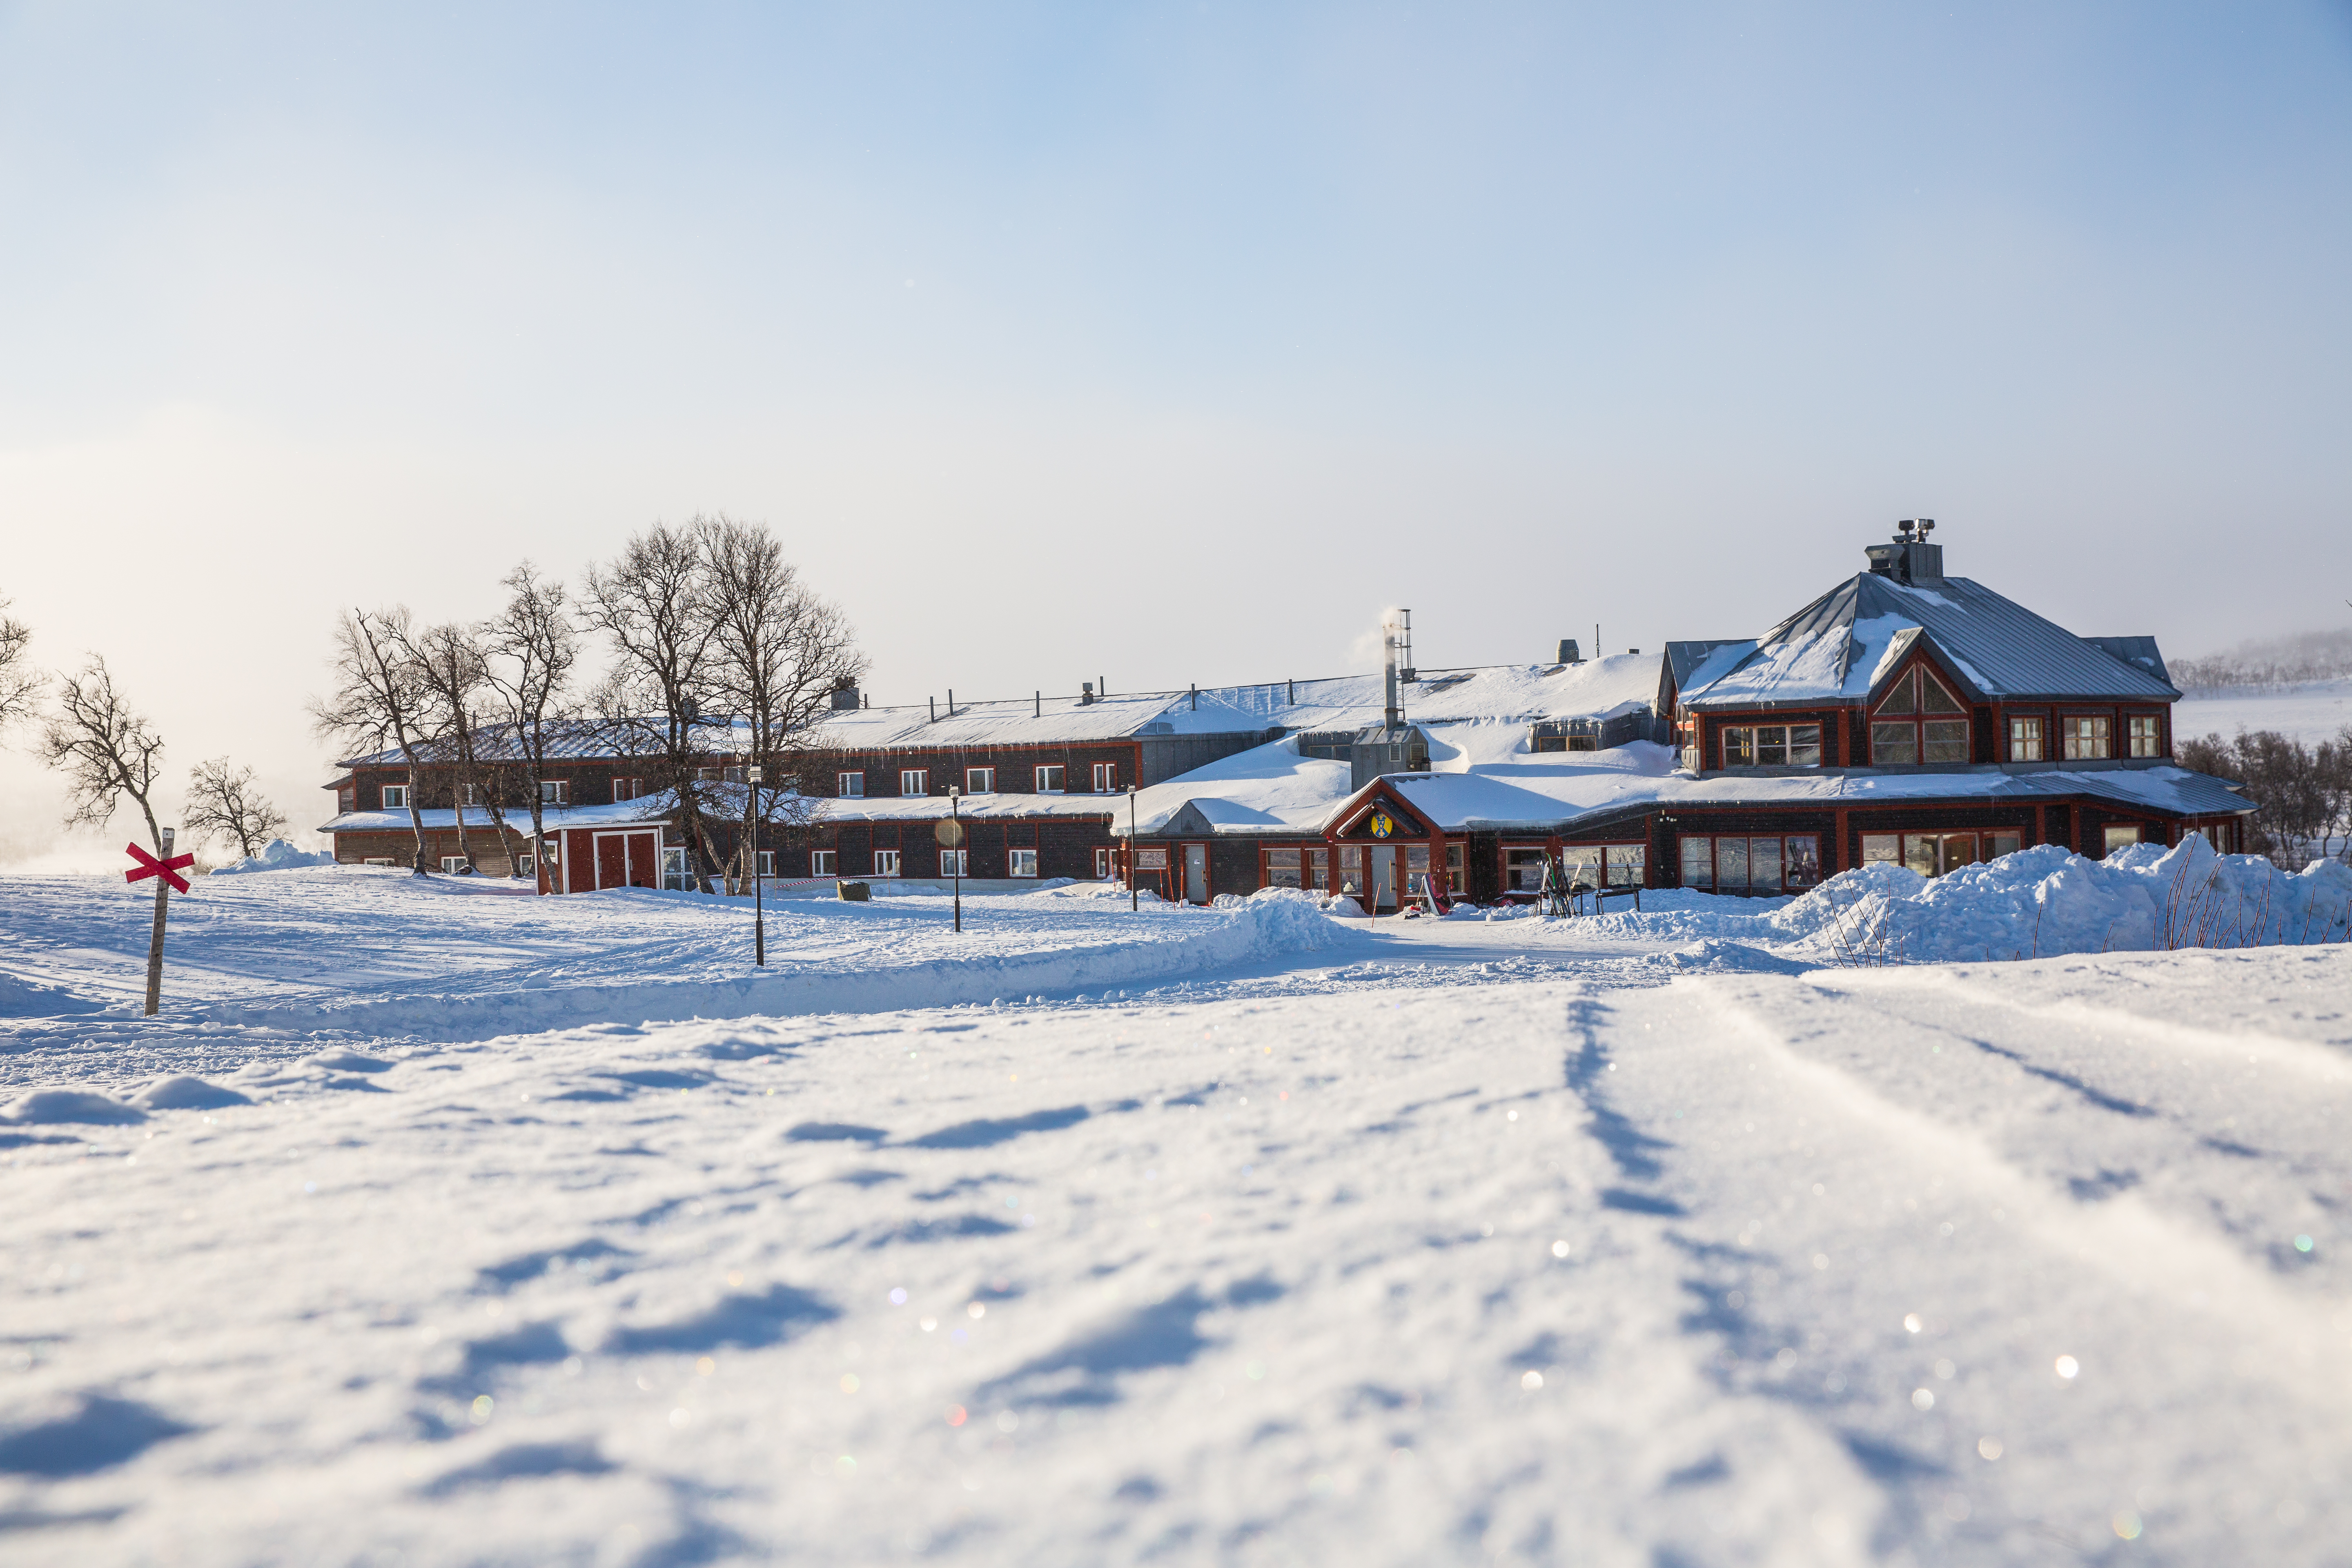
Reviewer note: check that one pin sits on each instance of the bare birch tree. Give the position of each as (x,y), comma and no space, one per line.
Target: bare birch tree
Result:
(780,651)
(104,749)
(453,667)
(20,684)
(225,803)
(653,600)
(379,703)
(533,649)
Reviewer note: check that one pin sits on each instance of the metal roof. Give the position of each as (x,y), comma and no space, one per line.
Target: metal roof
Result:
(1837,647)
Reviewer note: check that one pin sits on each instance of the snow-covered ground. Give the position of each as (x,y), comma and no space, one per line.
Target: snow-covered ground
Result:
(432,1225)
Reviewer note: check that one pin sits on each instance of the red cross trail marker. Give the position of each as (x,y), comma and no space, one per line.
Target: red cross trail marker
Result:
(150,867)
(167,873)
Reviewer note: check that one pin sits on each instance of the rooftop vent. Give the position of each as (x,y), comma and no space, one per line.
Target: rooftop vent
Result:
(845,696)
(1568,652)
(1910,558)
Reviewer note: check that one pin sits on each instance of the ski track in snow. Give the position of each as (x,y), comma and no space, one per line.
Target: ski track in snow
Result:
(1457,1244)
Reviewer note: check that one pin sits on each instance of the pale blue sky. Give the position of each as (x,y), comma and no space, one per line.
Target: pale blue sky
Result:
(1162,343)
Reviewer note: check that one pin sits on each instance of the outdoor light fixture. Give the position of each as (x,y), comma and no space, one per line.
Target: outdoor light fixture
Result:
(955,846)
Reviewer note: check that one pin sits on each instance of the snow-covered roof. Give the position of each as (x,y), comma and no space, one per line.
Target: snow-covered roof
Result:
(1483,777)
(1837,647)
(650,809)
(1035,721)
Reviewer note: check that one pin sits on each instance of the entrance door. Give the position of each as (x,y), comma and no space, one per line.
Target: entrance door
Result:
(644,859)
(628,859)
(1196,873)
(612,860)
(1383,874)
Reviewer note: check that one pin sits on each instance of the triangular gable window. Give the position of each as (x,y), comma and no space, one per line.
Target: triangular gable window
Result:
(1903,732)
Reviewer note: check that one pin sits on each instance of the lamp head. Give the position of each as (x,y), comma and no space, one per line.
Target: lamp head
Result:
(753,772)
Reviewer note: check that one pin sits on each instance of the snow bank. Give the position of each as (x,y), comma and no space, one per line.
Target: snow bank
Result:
(30,999)
(2048,901)
(277,855)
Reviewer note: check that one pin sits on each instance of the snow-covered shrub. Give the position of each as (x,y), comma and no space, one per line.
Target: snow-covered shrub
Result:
(277,855)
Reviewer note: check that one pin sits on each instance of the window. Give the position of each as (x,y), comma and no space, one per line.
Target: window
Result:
(1781,863)
(348,800)
(1907,728)
(624,789)
(853,786)
(2089,736)
(820,862)
(1022,862)
(1416,869)
(1772,746)
(1581,862)
(554,792)
(733,775)
(1351,869)
(1937,854)
(1106,778)
(676,877)
(979,781)
(2026,743)
(767,865)
(1106,864)
(1523,871)
(473,795)
(1457,873)
(526,865)
(914,781)
(1049,781)
(1626,863)
(552,848)
(952,863)
(453,863)
(2121,836)
(2146,735)
(707,776)
(1283,869)
(1318,869)
(395,798)
(385,860)
(885,862)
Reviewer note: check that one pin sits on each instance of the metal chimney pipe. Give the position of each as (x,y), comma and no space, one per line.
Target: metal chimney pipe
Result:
(1388,663)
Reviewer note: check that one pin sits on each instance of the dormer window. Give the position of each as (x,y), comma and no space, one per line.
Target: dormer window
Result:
(1919,721)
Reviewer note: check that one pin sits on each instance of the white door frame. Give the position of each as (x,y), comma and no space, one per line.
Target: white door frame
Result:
(623,834)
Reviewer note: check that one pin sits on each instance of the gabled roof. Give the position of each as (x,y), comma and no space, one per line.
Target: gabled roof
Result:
(1837,647)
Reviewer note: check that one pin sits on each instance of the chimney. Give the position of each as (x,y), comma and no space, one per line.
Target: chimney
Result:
(845,696)
(1086,693)
(1910,559)
(1391,714)
(1567,651)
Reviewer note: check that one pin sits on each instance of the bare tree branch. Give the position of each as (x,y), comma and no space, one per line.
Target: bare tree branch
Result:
(653,601)
(378,701)
(225,802)
(533,649)
(20,684)
(104,749)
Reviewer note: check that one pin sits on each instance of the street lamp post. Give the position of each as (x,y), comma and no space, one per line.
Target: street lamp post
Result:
(955,814)
(758,895)
(1134,899)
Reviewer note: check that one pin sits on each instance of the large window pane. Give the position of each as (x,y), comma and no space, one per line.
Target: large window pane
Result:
(1959,850)
(1764,864)
(1626,862)
(1880,849)
(1582,863)
(1740,746)
(1282,869)
(1802,863)
(1804,746)
(1999,844)
(1522,869)
(1699,862)
(1919,852)
(1947,740)
(1933,699)
(1893,743)
(1731,863)
(1772,745)
(1900,698)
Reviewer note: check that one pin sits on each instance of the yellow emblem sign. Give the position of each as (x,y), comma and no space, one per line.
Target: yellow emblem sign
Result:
(1383,824)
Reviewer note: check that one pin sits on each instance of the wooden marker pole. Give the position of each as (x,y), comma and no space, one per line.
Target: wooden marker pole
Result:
(155,940)
(166,872)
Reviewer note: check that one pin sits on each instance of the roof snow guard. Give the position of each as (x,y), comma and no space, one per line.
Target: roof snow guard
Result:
(1839,647)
